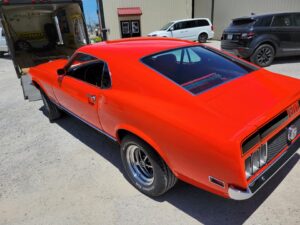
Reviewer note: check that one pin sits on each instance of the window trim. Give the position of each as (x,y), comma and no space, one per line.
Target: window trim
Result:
(233,59)
(68,65)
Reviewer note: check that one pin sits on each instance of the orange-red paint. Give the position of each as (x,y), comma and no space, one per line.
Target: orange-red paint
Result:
(198,136)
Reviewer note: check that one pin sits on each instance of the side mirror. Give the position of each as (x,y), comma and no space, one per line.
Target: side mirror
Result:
(61,72)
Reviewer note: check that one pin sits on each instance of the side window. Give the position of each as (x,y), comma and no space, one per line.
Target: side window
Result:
(90,70)
(191,24)
(180,25)
(282,21)
(297,20)
(81,58)
(202,23)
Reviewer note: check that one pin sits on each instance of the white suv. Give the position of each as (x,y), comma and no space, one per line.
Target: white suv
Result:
(198,29)
(3,45)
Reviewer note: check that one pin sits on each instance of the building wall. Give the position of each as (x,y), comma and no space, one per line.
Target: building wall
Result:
(202,8)
(225,10)
(156,13)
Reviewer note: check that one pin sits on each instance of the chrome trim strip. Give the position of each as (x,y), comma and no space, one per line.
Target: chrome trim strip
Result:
(87,123)
(237,194)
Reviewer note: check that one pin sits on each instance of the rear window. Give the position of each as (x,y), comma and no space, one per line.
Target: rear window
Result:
(197,68)
(241,22)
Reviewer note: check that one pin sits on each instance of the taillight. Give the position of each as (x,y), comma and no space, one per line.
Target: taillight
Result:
(256,160)
(212,27)
(248,35)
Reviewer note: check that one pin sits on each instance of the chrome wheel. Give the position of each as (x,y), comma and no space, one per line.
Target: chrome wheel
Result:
(264,56)
(139,165)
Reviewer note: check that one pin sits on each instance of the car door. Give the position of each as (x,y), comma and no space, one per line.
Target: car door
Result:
(192,30)
(282,27)
(180,30)
(297,31)
(80,90)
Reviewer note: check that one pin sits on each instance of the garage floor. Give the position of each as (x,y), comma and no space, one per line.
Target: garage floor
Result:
(66,173)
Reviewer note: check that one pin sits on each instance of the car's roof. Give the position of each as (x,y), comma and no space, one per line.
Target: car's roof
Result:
(134,48)
(175,21)
(264,15)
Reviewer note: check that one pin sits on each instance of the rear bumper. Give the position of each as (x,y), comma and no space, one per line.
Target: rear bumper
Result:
(238,194)
(243,52)
(237,48)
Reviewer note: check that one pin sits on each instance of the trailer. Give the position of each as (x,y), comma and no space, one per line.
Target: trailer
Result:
(38,31)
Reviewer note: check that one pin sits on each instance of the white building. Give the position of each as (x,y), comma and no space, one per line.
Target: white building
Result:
(131,18)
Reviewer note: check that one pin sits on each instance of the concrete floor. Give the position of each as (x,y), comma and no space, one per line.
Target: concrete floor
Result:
(66,173)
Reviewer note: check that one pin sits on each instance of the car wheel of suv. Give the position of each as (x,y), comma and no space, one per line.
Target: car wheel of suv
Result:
(202,38)
(52,111)
(263,55)
(145,168)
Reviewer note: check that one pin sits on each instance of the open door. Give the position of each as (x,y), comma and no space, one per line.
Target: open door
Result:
(40,32)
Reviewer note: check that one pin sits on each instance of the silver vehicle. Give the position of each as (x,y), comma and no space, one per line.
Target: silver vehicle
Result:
(3,45)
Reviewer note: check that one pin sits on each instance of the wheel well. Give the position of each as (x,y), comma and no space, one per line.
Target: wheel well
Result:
(203,32)
(123,133)
(268,43)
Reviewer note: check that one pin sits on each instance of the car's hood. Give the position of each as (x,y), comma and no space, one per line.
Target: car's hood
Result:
(158,33)
(250,101)
(51,67)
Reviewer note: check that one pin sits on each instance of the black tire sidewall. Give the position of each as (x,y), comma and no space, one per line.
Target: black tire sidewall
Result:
(159,184)
(254,59)
(200,40)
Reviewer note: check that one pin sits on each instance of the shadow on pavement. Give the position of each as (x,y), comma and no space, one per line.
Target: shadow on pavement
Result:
(286,60)
(205,207)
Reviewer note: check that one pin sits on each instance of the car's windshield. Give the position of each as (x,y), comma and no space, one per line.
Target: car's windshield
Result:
(165,27)
(197,68)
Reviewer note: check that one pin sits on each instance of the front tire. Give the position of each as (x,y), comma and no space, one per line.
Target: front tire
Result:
(145,168)
(52,111)
(263,55)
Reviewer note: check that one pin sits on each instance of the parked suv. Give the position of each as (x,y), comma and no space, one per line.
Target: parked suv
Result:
(3,45)
(261,38)
(199,29)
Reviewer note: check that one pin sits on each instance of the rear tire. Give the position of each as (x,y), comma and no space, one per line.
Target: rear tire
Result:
(145,168)
(52,111)
(263,55)
(202,38)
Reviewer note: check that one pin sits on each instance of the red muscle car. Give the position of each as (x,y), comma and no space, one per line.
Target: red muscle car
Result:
(180,110)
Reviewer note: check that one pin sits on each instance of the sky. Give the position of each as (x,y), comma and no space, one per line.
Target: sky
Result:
(90,11)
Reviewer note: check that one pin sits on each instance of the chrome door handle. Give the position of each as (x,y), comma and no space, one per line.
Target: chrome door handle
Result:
(91,99)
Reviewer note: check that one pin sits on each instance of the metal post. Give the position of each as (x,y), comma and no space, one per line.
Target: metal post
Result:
(212,11)
(102,20)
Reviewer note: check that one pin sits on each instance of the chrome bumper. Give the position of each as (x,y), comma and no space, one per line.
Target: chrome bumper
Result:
(260,181)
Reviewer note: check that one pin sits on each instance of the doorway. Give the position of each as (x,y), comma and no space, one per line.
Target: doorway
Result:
(130,28)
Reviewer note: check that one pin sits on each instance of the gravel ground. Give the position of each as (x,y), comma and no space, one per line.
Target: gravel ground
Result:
(65,173)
